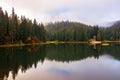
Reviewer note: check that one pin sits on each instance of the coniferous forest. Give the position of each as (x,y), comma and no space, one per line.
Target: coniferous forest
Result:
(23,30)
(14,30)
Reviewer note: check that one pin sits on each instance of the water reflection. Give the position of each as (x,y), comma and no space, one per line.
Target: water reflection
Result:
(13,59)
(70,52)
(67,61)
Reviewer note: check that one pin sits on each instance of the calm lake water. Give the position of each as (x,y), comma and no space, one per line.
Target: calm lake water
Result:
(60,62)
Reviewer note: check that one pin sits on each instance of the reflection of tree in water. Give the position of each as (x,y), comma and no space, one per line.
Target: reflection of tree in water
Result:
(71,52)
(23,58)
(13,59)
(113,50)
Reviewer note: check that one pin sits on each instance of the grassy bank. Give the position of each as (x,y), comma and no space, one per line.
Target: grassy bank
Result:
(52,42)
(42,43)
(108,41)
(15,45)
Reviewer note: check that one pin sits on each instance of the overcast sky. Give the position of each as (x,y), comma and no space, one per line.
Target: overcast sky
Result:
(85,11)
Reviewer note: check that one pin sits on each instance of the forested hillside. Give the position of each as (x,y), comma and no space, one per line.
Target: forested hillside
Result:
(73,31)
(23,30)
(113,32)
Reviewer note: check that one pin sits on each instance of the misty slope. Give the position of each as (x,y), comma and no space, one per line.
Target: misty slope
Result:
(117,23)
(74,31)
(108,24)
(71,31)
(60,26)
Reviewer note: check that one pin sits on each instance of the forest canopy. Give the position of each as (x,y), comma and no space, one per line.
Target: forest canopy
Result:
(13,29)
(23,30)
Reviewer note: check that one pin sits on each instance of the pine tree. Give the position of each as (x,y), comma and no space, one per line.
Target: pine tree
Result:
(2,26)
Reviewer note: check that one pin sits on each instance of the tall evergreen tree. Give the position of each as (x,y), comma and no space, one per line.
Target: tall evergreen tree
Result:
(2,26)
(7,23)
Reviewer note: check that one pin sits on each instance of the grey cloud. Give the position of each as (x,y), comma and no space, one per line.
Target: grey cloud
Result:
(88,11)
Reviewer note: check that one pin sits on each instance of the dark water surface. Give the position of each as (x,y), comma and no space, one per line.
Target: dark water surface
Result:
(60,62)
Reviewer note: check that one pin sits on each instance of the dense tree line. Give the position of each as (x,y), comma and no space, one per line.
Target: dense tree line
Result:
(23,30)
(14,30)
(113,32)
(73,31)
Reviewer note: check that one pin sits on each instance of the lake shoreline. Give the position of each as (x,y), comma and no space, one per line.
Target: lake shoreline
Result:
(51,42)
(40,43)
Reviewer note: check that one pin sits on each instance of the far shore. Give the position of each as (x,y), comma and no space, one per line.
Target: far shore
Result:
(41,43)
(52,42)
